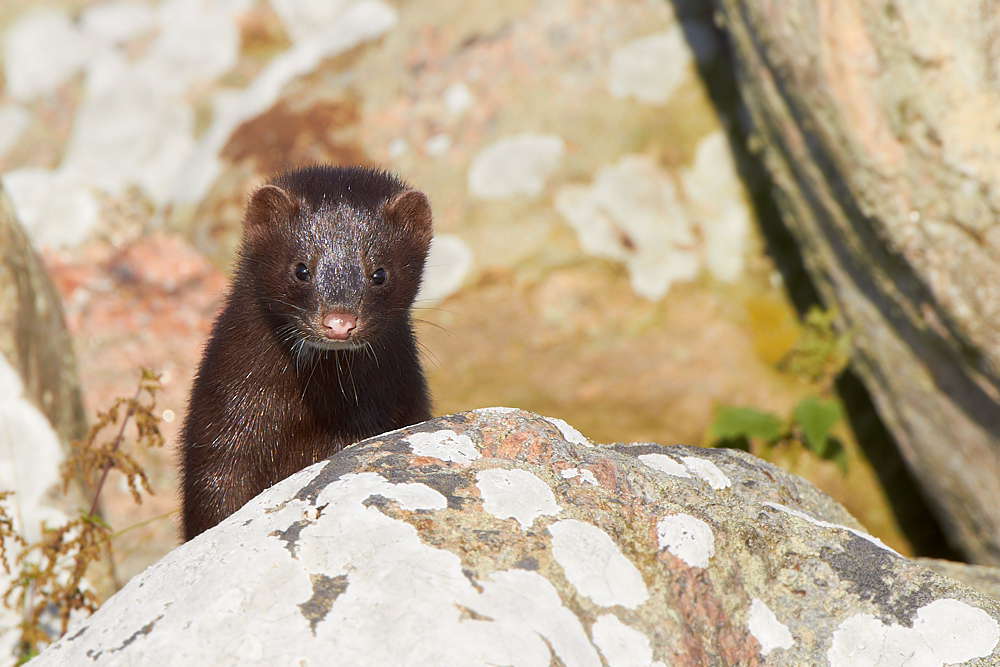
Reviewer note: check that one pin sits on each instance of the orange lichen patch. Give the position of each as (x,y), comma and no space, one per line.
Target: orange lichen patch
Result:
(703,616)
(421,461)
(521,446)
(605,471)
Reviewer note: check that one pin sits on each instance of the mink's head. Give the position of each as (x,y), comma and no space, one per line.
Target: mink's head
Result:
(335,255)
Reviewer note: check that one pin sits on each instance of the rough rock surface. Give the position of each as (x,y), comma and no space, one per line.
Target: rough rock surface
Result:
(498,537)
(33,335)
(878,122)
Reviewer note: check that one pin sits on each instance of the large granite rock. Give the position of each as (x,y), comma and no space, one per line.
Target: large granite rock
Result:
(879,122)
(498,537)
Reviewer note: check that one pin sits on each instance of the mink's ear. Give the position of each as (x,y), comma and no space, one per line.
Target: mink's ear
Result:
(269,206)
(412,211)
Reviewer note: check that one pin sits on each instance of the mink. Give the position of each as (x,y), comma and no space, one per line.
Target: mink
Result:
(314,349)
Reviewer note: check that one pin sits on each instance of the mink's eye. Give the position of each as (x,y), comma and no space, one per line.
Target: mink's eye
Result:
(302,273)
(378,277)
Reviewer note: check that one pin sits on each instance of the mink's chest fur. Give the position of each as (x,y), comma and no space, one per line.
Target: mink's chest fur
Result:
(314,349)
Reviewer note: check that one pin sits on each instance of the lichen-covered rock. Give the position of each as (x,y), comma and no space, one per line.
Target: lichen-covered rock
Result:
(498,537)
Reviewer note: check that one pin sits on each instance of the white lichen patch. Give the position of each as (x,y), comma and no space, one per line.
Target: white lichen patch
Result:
(515,494)
(621,645)
(342,26)
(448,262)
(664,463)
(30,455)
(568,432)
(945,632)
(708,471)
(56,208)
(445,445)
(582,474)
(632,214)
(688,538)
(458,98)
(42,49)
(595,566)
(13,120)
(826,524)
(522,604)
(516,165)
(718,202)
(651,68)
(769,632)
(270,587)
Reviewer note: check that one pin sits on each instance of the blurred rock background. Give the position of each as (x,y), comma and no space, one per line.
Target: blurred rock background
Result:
(598,257)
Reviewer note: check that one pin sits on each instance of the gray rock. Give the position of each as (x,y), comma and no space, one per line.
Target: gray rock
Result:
(887,171)
(33,334)
(500,537)
(983,578)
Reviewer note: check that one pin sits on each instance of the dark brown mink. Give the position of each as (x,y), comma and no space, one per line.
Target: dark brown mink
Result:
(314,349)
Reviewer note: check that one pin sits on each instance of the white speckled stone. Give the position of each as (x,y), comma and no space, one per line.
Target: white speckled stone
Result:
(593,563)
(516,494)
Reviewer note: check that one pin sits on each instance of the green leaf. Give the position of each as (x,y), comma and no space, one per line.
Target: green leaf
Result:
(816,416)
(733,423)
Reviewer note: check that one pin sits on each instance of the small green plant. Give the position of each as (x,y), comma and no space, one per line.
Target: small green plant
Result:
(48,576)
(820,352)
(819,355)
(809,425)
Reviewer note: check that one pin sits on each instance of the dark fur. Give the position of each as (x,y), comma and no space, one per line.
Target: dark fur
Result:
(265,403)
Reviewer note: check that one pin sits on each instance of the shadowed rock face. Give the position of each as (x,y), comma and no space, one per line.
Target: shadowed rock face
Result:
(886,170)
(502,537)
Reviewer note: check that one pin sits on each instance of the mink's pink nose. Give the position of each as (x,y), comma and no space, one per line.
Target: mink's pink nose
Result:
(338,326)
